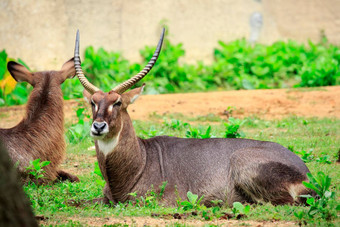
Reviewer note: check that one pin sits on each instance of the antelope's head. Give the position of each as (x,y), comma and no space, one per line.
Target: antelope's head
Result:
(108,108)
(21,73)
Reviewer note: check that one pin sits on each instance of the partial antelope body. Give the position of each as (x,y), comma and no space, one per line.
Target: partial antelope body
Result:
(41,132)
(224,169)
(15,209)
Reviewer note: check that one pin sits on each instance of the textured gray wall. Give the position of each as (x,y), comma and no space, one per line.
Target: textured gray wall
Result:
(42,32)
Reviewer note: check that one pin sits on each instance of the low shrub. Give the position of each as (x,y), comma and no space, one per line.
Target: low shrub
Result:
(236,65)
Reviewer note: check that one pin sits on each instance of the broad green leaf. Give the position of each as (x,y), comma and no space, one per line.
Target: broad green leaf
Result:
(192,197)
(310,201)
(45,163)
(246,209)
(239,207)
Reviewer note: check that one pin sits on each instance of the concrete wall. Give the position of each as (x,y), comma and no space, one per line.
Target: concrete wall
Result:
(42,32)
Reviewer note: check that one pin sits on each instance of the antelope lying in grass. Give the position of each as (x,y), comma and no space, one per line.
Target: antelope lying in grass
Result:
(230,170)
(41,132)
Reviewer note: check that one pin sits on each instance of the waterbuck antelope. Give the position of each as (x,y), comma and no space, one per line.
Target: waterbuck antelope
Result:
(15,207)
(41,132)
(220,169)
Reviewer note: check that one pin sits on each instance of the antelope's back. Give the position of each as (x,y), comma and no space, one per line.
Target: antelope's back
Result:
(212,157)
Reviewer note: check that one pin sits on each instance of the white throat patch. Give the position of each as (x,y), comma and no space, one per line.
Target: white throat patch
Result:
(107,147)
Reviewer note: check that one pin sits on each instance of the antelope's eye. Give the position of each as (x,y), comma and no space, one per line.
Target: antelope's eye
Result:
(117,103)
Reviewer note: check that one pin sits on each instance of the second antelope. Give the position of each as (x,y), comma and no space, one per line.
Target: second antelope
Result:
(230,170)
(40,134)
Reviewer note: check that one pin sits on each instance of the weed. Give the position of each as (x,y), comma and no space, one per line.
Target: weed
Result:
(216,207)
(206,215)
(306,156)
(80,130)
(232,128)
(200,133)
(152,132)
(162,189)
(291,148)
(35,169)
(325,159)
(239,208)
(325,205)
(150,200)
(174,124)
(229,111)
(193,202)
(305,122)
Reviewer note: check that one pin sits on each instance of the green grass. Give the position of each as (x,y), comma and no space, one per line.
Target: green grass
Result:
(320,135)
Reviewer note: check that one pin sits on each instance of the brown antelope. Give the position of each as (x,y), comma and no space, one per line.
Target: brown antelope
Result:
(15,209)
(40,134)
(230,170)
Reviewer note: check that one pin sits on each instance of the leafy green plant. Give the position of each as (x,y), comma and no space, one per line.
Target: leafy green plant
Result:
(152,132)
(325,205)
(193,202)
(232,128)
(80,130)
(239,208)
(162,190)
(216,208)
(35,169)
(150,200)
(174,124)
(306,156)
(324,159)
(11,92)
(229,111)
(200,133)
(97,171)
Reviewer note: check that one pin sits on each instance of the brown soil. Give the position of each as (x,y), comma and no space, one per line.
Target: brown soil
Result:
(148,221)
(266,104)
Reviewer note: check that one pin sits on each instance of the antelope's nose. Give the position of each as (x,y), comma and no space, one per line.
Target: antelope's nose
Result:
(99,126)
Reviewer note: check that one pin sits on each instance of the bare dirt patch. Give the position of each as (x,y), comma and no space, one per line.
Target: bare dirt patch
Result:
(266,104)
(148,221)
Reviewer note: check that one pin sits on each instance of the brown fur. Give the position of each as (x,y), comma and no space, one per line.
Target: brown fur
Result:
(40,134)
(15,209)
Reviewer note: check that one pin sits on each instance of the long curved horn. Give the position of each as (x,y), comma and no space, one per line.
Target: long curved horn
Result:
(132,81)
(79,72)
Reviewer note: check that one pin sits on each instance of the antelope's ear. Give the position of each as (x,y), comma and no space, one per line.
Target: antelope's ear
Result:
(19,72)
(68,70)
(87,96)
(131,96)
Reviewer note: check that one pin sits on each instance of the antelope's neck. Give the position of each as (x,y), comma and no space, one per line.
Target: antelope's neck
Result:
(108,146)
(41,132)
(45,105)
(121,160)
